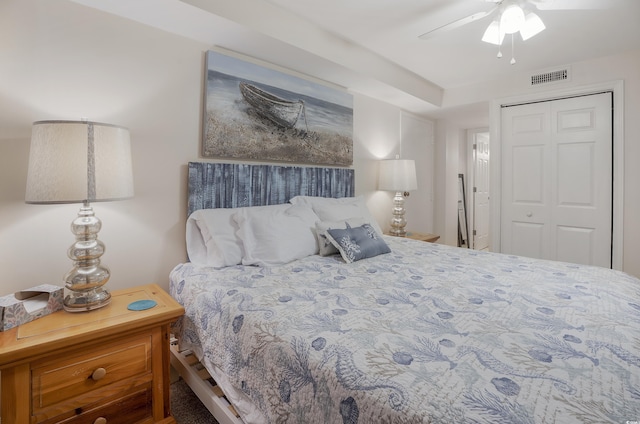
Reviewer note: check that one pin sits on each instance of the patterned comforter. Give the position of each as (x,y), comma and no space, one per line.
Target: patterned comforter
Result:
(426,333)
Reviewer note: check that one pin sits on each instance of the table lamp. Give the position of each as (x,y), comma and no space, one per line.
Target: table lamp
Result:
(398,175)
(81,162)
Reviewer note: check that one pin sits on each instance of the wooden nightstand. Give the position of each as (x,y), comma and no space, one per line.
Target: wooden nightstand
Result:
(421,236)
(105,366)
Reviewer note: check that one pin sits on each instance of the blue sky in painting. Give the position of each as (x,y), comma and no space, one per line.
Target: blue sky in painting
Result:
(243,69)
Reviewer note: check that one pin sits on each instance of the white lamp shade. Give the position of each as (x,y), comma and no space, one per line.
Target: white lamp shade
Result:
(512,19)
(77,161)
(397,175)
(532,26)
(493,34)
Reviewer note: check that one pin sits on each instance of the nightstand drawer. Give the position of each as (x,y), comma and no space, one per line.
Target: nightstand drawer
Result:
(134,408)
(65,379)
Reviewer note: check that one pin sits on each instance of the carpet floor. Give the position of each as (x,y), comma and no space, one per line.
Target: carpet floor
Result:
(186,408)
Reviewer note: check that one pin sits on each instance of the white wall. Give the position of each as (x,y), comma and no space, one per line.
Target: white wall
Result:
(376,128)
(418,143)
(65,61)
(382,131)
(60,60)
(447,136)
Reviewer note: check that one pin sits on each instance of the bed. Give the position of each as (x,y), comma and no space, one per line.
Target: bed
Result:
(414,333)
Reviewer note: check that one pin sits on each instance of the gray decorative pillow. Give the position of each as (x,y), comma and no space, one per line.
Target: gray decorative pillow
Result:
(326,246)
(358,242)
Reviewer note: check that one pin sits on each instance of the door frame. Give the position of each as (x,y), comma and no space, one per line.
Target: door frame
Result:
(471,181)
(617,87)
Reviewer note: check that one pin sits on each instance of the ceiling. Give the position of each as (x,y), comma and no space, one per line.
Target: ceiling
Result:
(372,46)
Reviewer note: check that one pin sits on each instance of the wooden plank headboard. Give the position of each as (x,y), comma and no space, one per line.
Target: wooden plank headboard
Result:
(224,185)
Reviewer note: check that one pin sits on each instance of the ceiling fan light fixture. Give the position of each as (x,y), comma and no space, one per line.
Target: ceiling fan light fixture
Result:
(512,19)
(532,25)
(493,34)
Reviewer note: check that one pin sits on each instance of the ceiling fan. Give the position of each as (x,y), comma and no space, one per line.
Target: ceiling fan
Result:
(516,16)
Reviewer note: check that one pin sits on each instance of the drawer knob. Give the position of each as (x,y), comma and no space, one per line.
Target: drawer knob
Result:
(97,375)
(100,420)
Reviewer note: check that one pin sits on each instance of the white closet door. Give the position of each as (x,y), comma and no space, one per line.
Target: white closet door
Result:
(557,180)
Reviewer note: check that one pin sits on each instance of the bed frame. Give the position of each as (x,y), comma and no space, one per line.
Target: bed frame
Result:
(224,185)
(203,385)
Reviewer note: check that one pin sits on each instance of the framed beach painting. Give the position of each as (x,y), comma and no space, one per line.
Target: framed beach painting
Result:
(253,112)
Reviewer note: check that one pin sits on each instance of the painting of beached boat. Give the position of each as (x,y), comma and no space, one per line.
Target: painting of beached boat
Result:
(282,112)
(256,112)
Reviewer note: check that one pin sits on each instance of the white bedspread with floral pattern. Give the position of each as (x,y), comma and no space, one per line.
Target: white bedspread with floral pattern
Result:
(426,333)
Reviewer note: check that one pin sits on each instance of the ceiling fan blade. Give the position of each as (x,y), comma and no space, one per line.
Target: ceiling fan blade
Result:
(571,4)
(456,24)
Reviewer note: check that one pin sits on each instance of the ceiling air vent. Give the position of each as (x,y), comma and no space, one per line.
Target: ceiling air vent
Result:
(551,76)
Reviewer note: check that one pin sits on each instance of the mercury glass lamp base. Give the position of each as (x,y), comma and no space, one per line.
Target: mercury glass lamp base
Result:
(398,232)
(84,282)
(81,301)
(398,223)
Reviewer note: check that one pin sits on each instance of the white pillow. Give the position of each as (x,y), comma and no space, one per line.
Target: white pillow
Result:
(211,238)
(339,209)
(276,236)
(196,247)
(325,245)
